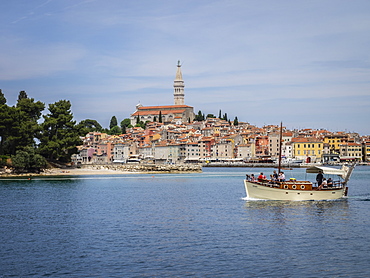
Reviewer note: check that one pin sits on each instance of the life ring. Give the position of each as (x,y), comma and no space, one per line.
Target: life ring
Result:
(302,186)
(285,186)
(294,186)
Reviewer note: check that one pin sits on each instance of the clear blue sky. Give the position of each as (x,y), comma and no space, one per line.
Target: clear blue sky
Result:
(305,63)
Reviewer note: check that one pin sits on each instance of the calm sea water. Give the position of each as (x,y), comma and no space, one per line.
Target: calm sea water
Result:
(189,225)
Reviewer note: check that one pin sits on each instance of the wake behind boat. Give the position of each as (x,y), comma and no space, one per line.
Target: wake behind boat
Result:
(294,190)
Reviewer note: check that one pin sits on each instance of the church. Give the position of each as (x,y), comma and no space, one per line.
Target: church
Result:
(177,113)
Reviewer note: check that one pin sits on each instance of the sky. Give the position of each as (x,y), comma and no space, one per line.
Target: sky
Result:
(303,63)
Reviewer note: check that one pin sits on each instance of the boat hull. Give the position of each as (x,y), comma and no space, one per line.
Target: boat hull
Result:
(257,190)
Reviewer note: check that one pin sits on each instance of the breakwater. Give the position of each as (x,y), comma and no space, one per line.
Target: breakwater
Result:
(147,168)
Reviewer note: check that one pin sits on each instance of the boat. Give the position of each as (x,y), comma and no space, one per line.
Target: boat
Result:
(294,190)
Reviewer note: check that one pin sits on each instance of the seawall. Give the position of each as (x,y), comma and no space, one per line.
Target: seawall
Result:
(147,168)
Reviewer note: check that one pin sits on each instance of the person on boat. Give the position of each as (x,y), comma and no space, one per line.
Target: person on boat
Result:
(261,177)
(274,176)
(330,182)
(324,184)
(319,178)
(281,176)
(253,178)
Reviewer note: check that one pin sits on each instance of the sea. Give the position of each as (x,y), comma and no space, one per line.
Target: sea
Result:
(179,225)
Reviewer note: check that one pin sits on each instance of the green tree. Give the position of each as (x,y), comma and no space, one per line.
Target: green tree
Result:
(28,160)
(5,122)
(225,117)
(88,125)
(219,114)
(19,125)
(142,124)
(211,116)
(199,117)
(236,122)
(59,136)
(125,123)
(116,130)
(22,95)
(113,122)
(29,113)
(160,117)
(2,98)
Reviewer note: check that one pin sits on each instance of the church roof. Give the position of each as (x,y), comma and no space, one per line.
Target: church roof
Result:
(164,107)
(156,112)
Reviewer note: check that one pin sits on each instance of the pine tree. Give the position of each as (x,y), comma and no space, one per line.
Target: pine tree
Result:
(59,136)
(113,122)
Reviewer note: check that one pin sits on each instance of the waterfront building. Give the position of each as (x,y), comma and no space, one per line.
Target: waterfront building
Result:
(192,150)
(308,149)
(334,141)
(246,152)
(350,152)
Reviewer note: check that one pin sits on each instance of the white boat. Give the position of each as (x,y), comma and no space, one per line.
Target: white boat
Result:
(294,190)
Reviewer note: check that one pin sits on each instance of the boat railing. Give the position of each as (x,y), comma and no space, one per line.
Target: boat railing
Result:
(273,183)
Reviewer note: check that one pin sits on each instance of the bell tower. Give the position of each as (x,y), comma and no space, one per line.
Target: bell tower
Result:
(178,86)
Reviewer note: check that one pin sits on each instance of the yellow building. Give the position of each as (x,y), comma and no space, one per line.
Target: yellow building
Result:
(334,141)
(351,152)
(307,149)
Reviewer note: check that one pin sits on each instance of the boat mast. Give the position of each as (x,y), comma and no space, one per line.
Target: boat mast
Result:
(280,144)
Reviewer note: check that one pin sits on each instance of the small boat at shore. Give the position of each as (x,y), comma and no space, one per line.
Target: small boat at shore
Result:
(293,190)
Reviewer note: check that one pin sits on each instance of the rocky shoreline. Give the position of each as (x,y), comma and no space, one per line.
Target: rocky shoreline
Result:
(109,169)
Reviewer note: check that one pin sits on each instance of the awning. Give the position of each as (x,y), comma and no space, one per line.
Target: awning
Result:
(329,170)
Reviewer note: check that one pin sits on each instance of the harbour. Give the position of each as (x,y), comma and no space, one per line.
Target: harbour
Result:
(176,225)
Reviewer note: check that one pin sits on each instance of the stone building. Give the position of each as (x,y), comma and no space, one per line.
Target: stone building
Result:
(178,113)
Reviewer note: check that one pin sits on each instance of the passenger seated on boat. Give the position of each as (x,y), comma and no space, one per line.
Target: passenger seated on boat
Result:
(330,182)
(281,176)
(324,184)
(253,178)
(261,177)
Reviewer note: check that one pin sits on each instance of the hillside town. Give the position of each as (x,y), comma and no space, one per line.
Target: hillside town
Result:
(173,136)
(215,140)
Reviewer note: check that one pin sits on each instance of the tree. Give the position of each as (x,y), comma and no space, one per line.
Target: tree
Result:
(211,116)
(29,113)
(236,122)
(160,117)
(5,121)
(199,117)
(59,136)
(125,123)
(19,125)
(225,117)
(2,98)
(28,160)
(219,114)
(88,125)
(116,130)
(113,122)
(8,129)
(142,124)
(22,95)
